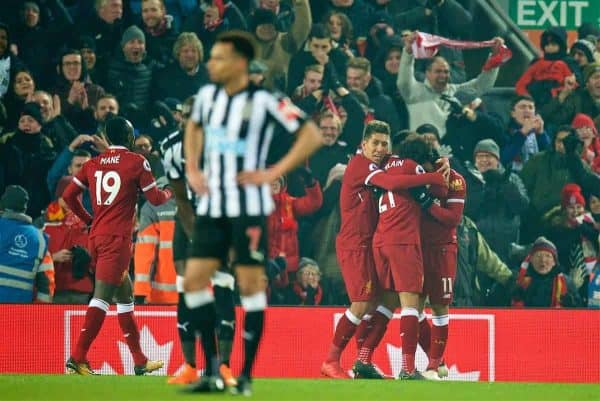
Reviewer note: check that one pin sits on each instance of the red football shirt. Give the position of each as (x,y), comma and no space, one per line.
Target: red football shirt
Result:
(357,204)
(114,179)
(399,213)
(438,225)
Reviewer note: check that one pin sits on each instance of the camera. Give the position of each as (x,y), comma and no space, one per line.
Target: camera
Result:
(455,106)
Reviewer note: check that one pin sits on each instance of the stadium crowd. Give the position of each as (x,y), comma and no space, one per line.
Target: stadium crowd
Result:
(530,232)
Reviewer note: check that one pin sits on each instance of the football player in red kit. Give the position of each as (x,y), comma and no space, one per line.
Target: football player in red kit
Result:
(359,219)
(397,248)
(438,241)
(114,179)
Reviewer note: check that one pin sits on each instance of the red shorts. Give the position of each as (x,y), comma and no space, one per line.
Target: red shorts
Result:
(440,272)
(111,255)
(399,267)
(358,271)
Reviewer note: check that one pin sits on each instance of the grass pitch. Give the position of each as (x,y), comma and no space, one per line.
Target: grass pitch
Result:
(154,388)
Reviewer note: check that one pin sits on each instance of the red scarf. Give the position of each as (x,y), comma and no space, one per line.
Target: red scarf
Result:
(426,46)
(559,286)
(301,292)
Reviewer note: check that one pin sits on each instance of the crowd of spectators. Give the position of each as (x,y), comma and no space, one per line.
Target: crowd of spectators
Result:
(530,234)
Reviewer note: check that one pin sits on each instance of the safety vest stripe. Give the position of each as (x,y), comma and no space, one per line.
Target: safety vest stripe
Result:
(163,287)
(147,239)
(6,282)
(17,272)
(166,244)
(142,277)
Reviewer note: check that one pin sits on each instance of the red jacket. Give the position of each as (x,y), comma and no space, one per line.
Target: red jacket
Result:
(283,226)
(65,231)
(544,70)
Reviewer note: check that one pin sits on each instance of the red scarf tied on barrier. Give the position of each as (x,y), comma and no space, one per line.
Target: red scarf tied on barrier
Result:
(427,45)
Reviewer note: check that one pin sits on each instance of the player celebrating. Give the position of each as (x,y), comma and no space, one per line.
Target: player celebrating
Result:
(113,179)
(438,241)
(397,247)
(226,143)
(353,243)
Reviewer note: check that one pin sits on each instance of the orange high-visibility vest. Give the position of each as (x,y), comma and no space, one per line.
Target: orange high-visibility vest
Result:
(153,259)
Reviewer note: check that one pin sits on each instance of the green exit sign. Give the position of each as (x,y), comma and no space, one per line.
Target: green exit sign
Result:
(541,14)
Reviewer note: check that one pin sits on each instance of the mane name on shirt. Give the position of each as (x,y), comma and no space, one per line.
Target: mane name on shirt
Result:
(110,160)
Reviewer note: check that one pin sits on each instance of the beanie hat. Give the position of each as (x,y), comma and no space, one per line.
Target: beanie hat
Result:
(87,42)
(583,120)
(586,47)
(559,34)
(487,146)
(15,198)
(571,195)
(589,70)
(588,28)
(33,110)
(261,16)
(131,33)
(428,129)
(30,4)
(543,244)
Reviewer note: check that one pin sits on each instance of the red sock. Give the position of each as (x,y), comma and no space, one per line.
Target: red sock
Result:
(379,322)
(424,334)
(94,317)
(439,338)
(409,331)
(131,333)
(363,330)
(344,331)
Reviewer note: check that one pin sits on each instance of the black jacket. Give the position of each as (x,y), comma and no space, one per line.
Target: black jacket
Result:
(130,83)
(172,81)
(382,105)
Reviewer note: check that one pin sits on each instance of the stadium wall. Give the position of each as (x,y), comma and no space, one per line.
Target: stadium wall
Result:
(484,344)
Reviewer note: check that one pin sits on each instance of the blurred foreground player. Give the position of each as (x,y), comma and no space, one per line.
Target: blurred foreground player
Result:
(114,179)
(226,142)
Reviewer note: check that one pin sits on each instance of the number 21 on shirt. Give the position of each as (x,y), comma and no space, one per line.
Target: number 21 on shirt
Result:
(389,198)
(108,182)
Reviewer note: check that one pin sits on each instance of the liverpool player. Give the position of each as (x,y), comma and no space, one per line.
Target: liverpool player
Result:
(438,241)
(353,243)
(397,248)
(114,179)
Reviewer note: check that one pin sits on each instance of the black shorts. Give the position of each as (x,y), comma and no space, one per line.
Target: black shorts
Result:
(246,236)
(180,242)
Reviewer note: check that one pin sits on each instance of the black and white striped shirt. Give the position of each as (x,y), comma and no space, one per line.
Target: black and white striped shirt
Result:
(171,151)
(238,131)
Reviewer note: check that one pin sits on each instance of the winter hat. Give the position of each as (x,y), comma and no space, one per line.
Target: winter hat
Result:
(15,198)
(131,33)
(487,146)
(33,110)
(586,47)
(428,129)
(590,70)
(583,120)
(571,195)
(543,244)
(559,35)
(588,28)
(87,42)
(30,4)
(261,16)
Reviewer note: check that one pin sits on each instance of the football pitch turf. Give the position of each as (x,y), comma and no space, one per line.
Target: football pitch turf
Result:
(154,388)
